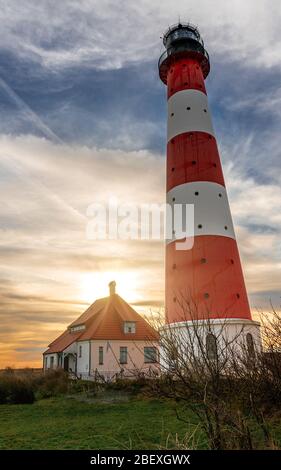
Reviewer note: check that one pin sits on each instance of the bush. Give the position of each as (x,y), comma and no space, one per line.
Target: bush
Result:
(50,384)
(85,386)
(133,386)
(15,390)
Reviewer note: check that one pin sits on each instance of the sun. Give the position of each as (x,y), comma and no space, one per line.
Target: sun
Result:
(95,285)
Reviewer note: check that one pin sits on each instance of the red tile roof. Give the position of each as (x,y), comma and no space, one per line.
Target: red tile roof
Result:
(63,341)
(98,305)
(104,320)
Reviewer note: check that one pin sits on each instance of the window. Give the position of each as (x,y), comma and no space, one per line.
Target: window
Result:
(250,345)
(211,346)
(150,355)
(52,360)
(101,355)
(129,327)
(123,355)
(77,328)
(80,351)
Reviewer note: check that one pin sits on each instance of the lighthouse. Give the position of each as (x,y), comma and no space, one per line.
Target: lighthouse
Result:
(205,280)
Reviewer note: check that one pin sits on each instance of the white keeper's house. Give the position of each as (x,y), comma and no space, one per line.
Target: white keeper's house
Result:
(109,339)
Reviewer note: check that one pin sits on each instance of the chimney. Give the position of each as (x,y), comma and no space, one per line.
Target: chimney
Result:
(112,286)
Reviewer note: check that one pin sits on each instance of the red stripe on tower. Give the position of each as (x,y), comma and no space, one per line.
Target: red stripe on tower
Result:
(210,274)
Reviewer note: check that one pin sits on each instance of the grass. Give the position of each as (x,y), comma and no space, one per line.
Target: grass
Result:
(71,423)
(61,423)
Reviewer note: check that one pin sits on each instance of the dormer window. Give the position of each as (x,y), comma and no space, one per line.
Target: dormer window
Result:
(73,329)
(129,327)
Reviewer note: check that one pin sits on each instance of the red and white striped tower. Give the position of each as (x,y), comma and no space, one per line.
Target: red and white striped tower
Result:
(210,273)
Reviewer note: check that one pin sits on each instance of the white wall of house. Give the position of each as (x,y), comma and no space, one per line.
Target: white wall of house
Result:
(50,361)
(111,357)
(87,354)
(71,351)
(83,358)
(58,358)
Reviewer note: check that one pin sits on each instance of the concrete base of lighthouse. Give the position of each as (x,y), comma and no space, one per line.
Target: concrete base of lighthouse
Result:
(233,337)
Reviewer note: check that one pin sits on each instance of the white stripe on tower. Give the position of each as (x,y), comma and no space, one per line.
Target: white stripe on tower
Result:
(188,111)
(211,208)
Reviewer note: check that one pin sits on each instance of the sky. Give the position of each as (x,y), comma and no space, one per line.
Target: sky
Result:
(83,118)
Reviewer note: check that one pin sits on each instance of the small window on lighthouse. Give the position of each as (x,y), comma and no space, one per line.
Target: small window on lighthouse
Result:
(250,345)
(211,346)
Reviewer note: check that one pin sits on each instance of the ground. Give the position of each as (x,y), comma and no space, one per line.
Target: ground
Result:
(68,423)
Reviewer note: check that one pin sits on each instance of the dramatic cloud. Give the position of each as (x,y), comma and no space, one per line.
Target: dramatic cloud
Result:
(109,34)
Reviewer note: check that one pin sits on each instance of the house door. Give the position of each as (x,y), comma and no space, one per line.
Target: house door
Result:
(66,363)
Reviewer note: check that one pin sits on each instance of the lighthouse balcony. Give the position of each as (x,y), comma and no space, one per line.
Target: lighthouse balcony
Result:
(172,54)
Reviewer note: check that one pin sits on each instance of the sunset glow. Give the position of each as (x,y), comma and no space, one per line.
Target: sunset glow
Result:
(95,285)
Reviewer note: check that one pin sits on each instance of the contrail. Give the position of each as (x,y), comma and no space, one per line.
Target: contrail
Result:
(30,114)
(18,169)
(49,134)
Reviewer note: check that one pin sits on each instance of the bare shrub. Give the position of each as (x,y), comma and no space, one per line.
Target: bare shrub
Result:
(52,383)
(219,378)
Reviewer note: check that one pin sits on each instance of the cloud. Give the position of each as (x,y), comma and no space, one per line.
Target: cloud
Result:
(62,34)
(29,114)
(256,212)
